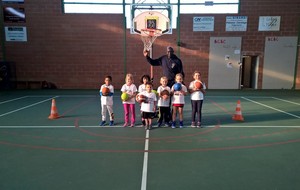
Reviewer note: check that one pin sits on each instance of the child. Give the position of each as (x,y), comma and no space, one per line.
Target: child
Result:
(142,88)
(129,104)
(178,101)
(107,101)
(197,96)
(148,107)
(163,102)
(143,81)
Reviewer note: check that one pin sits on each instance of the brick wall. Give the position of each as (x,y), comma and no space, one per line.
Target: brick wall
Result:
(78,50)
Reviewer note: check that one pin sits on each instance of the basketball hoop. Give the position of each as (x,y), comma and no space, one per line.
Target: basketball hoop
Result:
(148,36)
(149,25)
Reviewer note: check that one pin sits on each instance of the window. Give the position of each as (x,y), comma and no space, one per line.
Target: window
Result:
(186,7)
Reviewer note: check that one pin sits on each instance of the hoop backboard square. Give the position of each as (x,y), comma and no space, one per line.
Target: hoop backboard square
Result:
(151,23)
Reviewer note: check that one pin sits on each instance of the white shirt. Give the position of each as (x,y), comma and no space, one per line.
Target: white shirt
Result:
(161,102)
(197,95)
(148,105)
(178,97)
(142,88)
(107,100)
(131,89)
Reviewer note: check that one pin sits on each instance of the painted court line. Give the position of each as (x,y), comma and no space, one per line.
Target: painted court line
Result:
(120,126)
(25,107)
(13,100)
(145,164)
(65,126)
(272,108)
(64,96)
(286,101)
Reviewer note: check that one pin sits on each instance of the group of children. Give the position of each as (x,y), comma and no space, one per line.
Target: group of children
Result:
(169,101)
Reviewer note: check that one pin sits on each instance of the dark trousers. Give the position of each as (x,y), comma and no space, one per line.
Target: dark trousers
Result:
(164,114)
(196,110)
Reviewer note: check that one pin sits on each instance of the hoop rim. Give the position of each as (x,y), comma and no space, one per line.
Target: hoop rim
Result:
(151,32)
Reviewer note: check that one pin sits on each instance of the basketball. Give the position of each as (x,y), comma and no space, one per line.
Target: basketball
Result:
(165,92)
(198,84)
(141,98)
(155,92)
(105,91)
(177,86)
(124,96)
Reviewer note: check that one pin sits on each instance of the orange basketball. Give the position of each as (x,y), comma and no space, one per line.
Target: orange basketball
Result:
(105,91)
(165,94)
(198,84)
(141,98)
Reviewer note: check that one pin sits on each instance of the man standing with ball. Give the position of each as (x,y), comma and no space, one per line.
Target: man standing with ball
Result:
(170,64)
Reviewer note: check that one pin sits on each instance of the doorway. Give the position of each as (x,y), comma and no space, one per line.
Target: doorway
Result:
(249,72)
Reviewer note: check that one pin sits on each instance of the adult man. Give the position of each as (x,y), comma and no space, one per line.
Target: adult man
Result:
(170,63)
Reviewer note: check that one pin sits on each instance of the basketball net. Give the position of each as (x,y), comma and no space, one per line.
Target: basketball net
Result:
(148,36)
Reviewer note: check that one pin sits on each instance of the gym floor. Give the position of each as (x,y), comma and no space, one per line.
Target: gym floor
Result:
(74,152)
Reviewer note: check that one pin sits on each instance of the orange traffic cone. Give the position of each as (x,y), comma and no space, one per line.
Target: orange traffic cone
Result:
(238,113)
(54,113)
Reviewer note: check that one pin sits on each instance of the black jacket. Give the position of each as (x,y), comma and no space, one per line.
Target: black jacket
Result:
(170,66)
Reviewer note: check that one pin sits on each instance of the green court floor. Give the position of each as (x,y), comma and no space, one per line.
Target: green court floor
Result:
(74,152)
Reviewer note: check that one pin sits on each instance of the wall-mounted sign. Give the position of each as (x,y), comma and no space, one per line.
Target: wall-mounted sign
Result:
(15,33)
(14,14)
(236,23)
(269,23)
(203,23)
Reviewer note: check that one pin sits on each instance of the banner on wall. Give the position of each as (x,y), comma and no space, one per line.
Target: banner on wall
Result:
(269,23)
(15,34)
(11,14)
(203,23)
(236,23)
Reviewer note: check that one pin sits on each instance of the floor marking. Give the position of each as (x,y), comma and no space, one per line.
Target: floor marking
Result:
(272,108)
(145,165)
(120,126)
(64,96)
(286,101)
(13,100)
(27,106)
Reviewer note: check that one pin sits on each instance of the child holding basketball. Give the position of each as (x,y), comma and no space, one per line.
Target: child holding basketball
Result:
(106,93)
(148,106)
(197,91)
(178,90)
(129,104)
(142,88)
(163,102)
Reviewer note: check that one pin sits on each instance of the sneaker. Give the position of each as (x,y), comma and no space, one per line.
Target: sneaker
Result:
(150,127)
(111,123)
(198,124)
(146,127)
(125,125)
(193,124)
(132,125)
(181,124)
(102,123)
(173,125)
(167,124)
(159,124)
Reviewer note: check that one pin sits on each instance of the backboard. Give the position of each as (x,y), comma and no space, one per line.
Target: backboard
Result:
(152,21)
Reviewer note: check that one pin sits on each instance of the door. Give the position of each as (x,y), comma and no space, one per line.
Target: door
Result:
(249,72)
(224,63)
(279,62)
